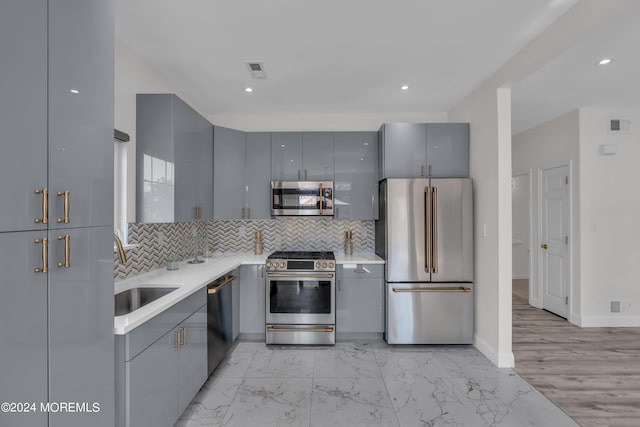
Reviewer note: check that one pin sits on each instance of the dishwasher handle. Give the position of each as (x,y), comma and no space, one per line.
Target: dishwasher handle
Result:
(217,286)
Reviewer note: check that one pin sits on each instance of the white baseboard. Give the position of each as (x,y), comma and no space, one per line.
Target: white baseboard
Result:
(520,276)
(504,360)
(612,321)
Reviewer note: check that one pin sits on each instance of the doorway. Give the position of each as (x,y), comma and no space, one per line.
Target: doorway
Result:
(521,233)
(554,226)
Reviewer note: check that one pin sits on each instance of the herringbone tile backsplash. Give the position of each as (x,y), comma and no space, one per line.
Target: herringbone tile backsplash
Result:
(160,241)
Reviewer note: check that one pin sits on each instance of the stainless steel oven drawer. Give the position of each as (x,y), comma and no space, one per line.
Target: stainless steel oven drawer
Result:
(301,334)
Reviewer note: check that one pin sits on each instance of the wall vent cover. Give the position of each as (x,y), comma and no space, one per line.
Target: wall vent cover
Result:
(256,69)
(615,307)
(619,125)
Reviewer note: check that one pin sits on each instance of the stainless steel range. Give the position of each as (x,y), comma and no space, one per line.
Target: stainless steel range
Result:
(301,298)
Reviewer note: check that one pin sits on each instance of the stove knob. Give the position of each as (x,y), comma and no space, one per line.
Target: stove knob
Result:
(269,264)
(324,265)
(282,264)
(318,264)
(330,265)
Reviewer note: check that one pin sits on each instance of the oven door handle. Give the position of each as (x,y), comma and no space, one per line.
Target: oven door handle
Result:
(272,329)
(300,276)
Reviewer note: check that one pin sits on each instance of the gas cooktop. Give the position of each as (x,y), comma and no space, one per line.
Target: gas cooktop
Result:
(302,255)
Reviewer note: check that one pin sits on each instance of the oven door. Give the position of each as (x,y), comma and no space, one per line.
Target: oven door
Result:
(302,198)
(297,298)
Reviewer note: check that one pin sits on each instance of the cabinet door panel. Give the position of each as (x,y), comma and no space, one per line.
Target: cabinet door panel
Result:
(204,183)
(360,305)
(317,156)
(23,113)
(286,156)
(252,295)
(186,151)
(81,344)
(448,149)
(23,330)
(405,150)
(229,152)
(192,358)
(258,175)
(356,175)
(81,46)
(153,400)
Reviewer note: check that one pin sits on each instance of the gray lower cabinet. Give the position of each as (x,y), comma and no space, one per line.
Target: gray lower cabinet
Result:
(356,175)
(252,306)
(413,150)
(23,327)
(360,299)
(157,384)
(174,161)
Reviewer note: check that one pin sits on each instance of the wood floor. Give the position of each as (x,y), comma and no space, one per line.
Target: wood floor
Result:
(521,288)
(593,374)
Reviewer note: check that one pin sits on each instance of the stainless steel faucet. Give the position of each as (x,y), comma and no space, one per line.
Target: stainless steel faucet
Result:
(122,256)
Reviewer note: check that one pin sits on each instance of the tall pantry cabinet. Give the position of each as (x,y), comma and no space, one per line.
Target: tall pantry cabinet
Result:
(56,212)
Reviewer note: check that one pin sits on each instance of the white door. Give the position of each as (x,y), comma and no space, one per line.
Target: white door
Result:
(554,242)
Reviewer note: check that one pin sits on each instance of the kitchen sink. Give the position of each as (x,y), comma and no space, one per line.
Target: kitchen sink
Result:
(132,299)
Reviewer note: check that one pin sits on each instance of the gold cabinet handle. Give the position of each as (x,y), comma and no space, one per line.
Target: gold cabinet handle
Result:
(434,233)
(544,246)
(178,343)
(427,229)
(64,194)
(218,288)
(421,170)
(273,329)
(45,255)
(45,206)
(184,336)
(248,213)
(430,170)
(67,252)
(295,276)
(305,174)
(242,213)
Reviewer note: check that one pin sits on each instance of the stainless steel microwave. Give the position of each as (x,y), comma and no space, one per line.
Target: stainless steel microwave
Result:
(299,198)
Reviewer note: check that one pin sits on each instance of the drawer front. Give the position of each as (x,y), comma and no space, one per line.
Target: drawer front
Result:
(149,332)
(361,271)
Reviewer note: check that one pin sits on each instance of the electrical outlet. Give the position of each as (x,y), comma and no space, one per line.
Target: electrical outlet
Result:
(242,231)
(363,232)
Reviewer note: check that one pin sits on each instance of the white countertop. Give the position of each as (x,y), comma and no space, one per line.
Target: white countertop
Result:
(191,277)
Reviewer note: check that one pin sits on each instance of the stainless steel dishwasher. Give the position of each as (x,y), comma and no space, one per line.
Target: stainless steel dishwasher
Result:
(219,319)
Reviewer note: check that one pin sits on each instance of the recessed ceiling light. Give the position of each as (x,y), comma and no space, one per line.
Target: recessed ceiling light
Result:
(604,61)
(248,89)
(74,91)
(282,145)
(366,143)
(404,87)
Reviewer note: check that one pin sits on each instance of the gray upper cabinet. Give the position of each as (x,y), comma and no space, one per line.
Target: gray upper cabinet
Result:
(412,150)
(257,175)
(317,156)
(242,170)
(448,150)
(81,113)
(174,158)
(356,175)
(229,165)
(286,156)
(403,152)
(23,113)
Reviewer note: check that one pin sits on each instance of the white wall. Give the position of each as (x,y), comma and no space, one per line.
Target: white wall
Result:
(133,76)
(488,110)
(544,145)
(520,228)
(610,217)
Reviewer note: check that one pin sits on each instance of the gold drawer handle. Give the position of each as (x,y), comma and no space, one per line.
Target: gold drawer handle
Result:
(218,288)
(459,289)
(272,329)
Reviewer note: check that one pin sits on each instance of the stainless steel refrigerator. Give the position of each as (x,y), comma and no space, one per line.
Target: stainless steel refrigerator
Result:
(425,234)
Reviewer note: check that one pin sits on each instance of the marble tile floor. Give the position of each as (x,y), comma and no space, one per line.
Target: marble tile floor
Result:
(366,383)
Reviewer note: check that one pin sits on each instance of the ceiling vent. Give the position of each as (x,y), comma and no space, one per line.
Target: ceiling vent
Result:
(256,69)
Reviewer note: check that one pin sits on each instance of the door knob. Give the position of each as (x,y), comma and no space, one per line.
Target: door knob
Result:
(544,246)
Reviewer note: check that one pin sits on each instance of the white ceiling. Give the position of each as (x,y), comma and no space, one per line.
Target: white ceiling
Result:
(573,80)
(331,56)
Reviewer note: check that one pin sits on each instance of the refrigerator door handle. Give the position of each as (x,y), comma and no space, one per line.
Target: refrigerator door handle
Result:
(427,229)
(434,233)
